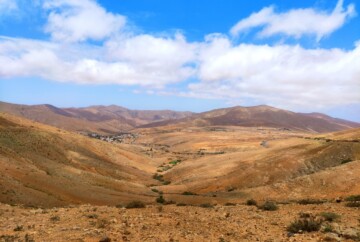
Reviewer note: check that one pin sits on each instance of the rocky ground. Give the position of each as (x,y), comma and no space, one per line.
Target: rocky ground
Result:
(175,223)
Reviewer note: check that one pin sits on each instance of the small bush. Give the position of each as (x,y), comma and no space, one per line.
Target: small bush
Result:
(251,202)
(306,225)
(158,177)
(160,199)
(174,162)
(166,182)
(353,204)
(310,201)
(329,216)
(353,198)
(328,228)
(189,193)
(269,206)
(55,218)
(155,190)
(230,204)
(135,204)
(19,228)
(206,205)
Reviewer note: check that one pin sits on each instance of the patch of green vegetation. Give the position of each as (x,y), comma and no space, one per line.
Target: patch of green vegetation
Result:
(251,202)
(165,168)
(353,198)
(304,225)
(174,162)
(158,177)
(160,199)
(353,204)
(269,206)
(329,216)
(328,228)
(135,204)
(155,190)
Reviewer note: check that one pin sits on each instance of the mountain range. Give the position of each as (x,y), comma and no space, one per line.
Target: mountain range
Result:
(114,119)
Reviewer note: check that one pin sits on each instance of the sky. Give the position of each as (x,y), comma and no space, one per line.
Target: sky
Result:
(199,55)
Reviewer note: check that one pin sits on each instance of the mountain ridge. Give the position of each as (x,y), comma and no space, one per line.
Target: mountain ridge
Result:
(113,119)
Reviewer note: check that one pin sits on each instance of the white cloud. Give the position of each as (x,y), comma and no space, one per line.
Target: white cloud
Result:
(80,20)
(282,75)
(140,60)
(8,7)
(296,22)
(277,75)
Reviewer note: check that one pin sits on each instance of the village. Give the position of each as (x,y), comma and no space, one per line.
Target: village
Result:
(127,138)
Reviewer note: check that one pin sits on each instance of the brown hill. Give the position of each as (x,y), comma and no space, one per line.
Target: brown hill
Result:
(44,166)
(99,119)
(237,167)
(261,116)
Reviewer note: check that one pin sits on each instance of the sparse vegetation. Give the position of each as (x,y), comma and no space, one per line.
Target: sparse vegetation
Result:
(166,182)
(135,204)
(353,198)
(55,218)
(158,177)
(353,204)
(269,206)
(230,204)
(251,202)
(206,205)
(19,228)
(307,201)
(155,190)
(187,193)
(329,216)
(92,216)
(310,224)
(328,228)
(174,162)
(160,199)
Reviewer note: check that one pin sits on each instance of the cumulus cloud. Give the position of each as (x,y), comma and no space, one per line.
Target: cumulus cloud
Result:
(80,20)
(140,60)
(296,22)
(278,75)
(281,75)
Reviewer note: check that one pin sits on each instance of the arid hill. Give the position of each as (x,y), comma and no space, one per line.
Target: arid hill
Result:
(99,119)
(52,182)
(42,165)
(261,116)
(115,119)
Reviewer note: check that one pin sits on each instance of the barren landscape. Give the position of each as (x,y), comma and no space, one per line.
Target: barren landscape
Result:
(194,182)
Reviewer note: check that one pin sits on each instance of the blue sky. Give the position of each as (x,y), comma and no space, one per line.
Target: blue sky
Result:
(182,55)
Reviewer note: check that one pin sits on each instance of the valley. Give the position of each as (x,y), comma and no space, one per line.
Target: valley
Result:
(182,174)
